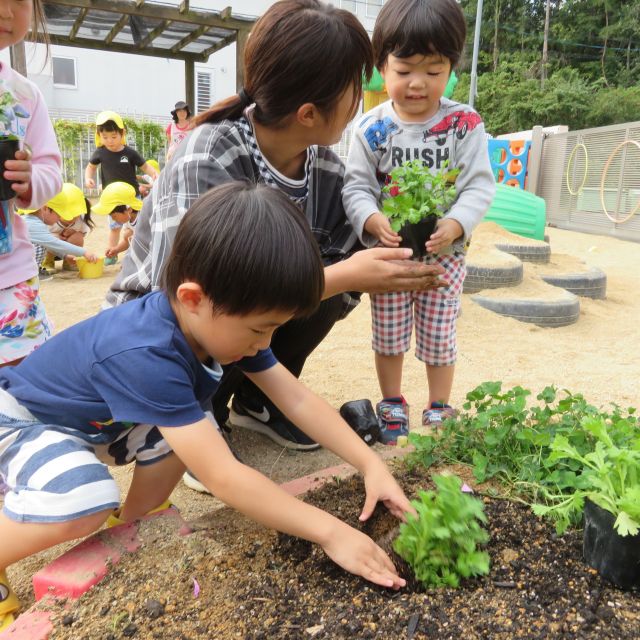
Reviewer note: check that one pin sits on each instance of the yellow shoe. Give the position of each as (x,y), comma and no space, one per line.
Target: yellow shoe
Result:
(114,519)
(49,262)
(9,602)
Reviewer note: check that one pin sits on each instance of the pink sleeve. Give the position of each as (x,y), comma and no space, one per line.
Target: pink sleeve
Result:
(168,129)
(46,176)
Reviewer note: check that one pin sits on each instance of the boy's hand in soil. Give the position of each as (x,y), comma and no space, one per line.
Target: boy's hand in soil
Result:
(381,486)
(357,553)
(378,225)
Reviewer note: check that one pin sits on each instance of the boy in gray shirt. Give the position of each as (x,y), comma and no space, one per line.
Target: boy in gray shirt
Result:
(416,45)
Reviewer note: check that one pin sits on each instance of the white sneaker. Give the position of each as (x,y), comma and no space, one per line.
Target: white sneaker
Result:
(193,483)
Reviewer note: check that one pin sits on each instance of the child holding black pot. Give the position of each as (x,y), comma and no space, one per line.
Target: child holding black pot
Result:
(417,43)
(243,263)
(31,176)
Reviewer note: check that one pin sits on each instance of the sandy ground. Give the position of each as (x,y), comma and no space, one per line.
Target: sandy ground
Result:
(598,356)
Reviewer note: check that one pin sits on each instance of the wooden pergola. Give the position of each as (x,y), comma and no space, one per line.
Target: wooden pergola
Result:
(144,27)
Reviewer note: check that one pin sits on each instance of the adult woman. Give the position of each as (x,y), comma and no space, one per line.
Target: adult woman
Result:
(303,76)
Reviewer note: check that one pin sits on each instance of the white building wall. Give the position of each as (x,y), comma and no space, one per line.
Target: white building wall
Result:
(142,85)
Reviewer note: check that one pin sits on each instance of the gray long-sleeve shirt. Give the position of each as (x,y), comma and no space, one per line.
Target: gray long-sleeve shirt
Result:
(382,141)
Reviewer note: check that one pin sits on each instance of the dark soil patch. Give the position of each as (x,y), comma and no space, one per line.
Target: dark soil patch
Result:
(258,585)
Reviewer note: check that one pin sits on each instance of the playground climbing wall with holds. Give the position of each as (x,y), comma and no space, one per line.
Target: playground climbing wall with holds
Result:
(509,160)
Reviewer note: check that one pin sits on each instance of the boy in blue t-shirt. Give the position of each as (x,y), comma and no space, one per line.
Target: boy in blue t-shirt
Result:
(243,263)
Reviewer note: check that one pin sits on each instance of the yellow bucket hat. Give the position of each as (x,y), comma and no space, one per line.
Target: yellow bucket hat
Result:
(115,195)
(69,203)
(155,164)
(105,116)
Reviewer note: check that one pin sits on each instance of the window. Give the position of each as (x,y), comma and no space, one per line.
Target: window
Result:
(64,72)
(204,91)
(373,8)
(349,5)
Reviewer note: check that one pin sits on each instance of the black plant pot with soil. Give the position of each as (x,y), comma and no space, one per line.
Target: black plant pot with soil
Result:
(414,236)
(8,150)
(616,557)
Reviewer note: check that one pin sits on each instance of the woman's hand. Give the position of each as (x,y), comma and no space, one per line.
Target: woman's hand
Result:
(18,171)
(357,553)
(380,270)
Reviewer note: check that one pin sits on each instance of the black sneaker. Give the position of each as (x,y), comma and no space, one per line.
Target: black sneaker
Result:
(276,427)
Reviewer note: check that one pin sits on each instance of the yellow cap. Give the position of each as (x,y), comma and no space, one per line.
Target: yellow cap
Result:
(69,203)
(24,212)
(115,195)
(155,164)
(105,116)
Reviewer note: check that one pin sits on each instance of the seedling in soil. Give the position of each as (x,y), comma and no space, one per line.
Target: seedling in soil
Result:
(441,543)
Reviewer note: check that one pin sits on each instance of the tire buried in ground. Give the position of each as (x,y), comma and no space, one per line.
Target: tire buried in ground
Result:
(544,313)
(527,252)
(479,278)
(589,284)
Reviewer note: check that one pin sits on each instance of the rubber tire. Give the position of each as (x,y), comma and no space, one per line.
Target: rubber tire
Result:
(554,313)
(479,278)
(588,284)
(528,253)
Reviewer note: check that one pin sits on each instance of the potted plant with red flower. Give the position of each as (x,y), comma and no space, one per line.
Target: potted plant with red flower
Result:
(416,199)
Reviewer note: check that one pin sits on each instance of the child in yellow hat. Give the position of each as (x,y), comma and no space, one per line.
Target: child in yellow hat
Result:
(118,201)
(66,205)
(73,231)
(118,162)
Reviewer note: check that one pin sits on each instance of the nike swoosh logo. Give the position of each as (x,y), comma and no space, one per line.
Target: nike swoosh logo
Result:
(263,416)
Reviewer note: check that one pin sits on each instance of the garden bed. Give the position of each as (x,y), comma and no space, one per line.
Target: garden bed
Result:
(256,584)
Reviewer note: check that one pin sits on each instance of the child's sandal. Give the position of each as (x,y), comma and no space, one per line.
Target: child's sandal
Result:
(114,519)
(9,603)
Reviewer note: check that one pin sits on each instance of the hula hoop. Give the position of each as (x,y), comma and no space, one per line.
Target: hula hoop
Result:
(604,175)
(586,168)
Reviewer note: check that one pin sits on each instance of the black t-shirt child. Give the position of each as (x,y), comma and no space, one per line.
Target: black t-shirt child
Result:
(118,166)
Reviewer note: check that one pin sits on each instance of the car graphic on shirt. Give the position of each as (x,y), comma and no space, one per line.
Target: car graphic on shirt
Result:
(459,122)
(378,132)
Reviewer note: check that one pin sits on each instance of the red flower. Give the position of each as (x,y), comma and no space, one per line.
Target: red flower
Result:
(394,191)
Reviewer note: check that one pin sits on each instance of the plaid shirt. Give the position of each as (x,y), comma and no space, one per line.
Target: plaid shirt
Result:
(212,155)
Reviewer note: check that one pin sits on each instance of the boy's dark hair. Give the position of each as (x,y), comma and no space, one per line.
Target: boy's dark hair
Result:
(109,127)
(299,51)
(250,249)
(406,27)
(121,208)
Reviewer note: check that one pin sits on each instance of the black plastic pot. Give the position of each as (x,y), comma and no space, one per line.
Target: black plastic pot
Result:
(8,150)
(414,236)
(361,417)
(616,557)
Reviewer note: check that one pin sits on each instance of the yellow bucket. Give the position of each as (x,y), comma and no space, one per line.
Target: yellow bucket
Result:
(88,269)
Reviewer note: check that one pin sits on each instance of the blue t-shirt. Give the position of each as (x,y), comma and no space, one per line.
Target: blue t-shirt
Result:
(127,365)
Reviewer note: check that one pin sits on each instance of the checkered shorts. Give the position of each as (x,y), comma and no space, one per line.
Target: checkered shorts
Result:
(434,312)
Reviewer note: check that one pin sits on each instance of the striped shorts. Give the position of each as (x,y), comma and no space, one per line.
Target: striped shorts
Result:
(434,313)
(55,474)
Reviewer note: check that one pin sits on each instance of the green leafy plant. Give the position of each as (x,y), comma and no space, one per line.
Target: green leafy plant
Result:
(441,543)
(508,441)
(609,476)
(416,193)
